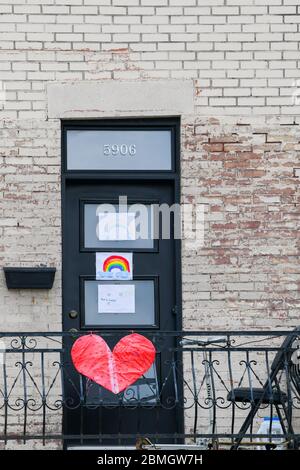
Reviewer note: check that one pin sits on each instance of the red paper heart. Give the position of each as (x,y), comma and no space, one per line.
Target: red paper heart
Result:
(115,370)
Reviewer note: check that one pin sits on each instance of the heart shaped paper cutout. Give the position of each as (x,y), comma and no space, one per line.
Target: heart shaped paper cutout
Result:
(114,370)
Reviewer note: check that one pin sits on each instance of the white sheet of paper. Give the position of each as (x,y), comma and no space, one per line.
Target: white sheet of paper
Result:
(116,226)
(116,298)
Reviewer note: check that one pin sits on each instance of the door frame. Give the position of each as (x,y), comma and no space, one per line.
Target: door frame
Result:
(171,176)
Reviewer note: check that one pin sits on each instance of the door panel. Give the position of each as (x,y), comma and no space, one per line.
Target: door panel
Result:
(154,277)
(149,265)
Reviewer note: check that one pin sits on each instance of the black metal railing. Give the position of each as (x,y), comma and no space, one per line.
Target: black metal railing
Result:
(209,389)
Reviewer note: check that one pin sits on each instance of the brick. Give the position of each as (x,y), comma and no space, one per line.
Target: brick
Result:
(268,91)
(11,27)
(210,55)
(101,37)
(12,36)
(39,36)
(6,8)
(269,37)
(68,19)
(155,20)
(129,37)
(222,101)
(68,37)
(112,10)
(269,19)
(284,46)
(199,46)
(127,19)
(240,286)
(241,37)
(212,19)
(225,83)
(282,10)
(253,173)
(84,10)
(237,92)
(111,29)
(199,10)
(182,55)
(230,10)
(228,64)
(26,9)
(254,10)
(55,9)
(183,37)
(178,46)
(283,27)
(179,2)
(169,11)
(13,18)
(125,2)
(41,18)
(153,37)
(168,28)
(59,28)
(141,10)
(154,2)
(228,46)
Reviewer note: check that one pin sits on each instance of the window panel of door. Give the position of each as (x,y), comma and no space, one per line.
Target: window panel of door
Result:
(93,214)
(146,305)
(145,390)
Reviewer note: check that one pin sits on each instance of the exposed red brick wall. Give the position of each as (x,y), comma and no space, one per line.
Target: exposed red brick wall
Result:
(247,273)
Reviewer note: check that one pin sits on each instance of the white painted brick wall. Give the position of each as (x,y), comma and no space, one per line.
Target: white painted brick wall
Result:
(243,40)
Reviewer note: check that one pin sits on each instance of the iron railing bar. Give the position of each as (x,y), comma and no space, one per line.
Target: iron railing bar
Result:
(175,349)
(43,395)
(54,379)
(232,349)
(33,350)
(120,398)
(23,342)
(268,374)
(100,414)
(289,401)
(180,333)
(5,401)
(248,367)
(229,356)
(212,382)
(174,368)
(149,435)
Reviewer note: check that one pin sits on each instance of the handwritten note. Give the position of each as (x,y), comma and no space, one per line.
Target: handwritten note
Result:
(116,298)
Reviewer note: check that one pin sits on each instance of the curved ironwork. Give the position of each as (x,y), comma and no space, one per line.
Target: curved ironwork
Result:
(206,375)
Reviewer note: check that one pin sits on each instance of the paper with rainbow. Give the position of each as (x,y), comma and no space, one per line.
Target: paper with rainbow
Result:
(114,266)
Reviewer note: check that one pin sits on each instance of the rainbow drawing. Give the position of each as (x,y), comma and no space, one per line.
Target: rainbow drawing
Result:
(116,266)
(116,262)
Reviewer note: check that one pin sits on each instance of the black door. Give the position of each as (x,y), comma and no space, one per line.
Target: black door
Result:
(149,406)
